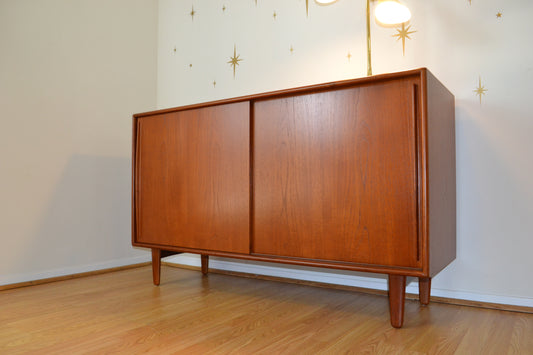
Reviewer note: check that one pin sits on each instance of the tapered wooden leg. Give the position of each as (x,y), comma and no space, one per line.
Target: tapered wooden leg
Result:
(424,289)
(156,265)
(205,264)
(396,299)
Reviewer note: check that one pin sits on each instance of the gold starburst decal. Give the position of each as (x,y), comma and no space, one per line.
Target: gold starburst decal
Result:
(192,13)
(349,56)
(402,34)
(274,15)
(234,61)
(480,90)
(499,14)
(291,49)
(224,8)
(214,83)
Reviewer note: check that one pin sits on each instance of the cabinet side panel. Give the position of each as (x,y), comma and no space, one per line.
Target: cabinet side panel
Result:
(133,181)
(335,175)
(441,175)
(192,177)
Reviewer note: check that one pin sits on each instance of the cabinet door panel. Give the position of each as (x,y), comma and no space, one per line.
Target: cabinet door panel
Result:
(192,178)
(335,175)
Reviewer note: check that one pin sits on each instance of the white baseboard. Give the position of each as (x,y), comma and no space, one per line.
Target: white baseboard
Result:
(18,278)
(378,282)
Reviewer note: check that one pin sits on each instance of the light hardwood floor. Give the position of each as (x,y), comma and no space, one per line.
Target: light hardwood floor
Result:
(122,312)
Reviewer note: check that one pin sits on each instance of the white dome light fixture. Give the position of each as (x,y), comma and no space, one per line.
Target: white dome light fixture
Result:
(391,13)
(325,2)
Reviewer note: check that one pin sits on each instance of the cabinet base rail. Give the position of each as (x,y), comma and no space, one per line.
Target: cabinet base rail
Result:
(396,285)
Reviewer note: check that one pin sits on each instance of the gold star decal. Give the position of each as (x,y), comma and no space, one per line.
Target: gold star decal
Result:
(214,83)
(224,8)
(174,49)
(349,56)
(190,65)
(480,90)
(234,61)
(499,14)
(402,34)
(274,15)
(192,13)
(291,49)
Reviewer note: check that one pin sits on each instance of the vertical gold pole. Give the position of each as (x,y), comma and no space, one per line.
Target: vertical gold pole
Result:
(368,49)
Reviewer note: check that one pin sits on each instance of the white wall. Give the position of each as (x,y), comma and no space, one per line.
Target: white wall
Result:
(458,41)
(71,74)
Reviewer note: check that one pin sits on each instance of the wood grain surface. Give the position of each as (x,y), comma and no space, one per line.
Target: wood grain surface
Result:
(192,181)
(441,174)
(123,313)
(335,175)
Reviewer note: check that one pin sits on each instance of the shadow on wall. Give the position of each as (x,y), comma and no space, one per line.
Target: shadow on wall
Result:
(494,195)
(87,220)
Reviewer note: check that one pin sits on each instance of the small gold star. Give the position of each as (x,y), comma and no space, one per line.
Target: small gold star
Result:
(499,14)
(274,15)
(214,83)
(234,61)
(190,65)
(224,8)
(403,34)
(291,49)
(192,13)
(349,56)
(174,49)
(480,90)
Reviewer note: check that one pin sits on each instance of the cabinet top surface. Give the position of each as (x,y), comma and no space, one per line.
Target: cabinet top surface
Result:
(421,72)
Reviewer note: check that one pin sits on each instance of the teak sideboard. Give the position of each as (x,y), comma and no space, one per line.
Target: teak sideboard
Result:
(355,175)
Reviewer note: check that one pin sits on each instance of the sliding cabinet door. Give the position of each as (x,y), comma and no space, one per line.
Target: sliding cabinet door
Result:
(335,175)
(192,186)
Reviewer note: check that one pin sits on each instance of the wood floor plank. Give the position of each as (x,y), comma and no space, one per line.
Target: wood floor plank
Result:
(122,312)
(522,336)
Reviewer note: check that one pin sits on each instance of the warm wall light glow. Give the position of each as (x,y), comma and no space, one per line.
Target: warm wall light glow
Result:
(391,12)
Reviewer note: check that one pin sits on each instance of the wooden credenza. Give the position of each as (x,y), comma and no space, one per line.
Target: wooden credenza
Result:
(356,175)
